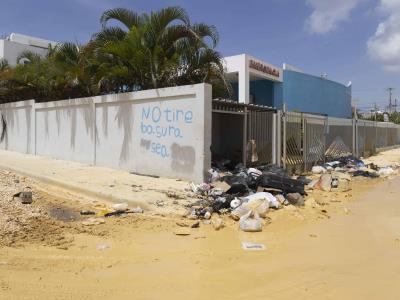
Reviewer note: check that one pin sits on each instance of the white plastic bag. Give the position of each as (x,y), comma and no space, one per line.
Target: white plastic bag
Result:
(250,222)
(318,170)
(271,200)
(239,211)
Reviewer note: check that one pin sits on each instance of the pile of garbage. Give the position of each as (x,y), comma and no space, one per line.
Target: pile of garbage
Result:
(336,175)
(246,194)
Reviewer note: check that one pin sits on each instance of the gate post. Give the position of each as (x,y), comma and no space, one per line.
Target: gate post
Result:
(284,135)
(305,150)
(245,138)
(355,138)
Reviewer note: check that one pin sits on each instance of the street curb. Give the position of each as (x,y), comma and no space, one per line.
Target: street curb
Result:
(74,188)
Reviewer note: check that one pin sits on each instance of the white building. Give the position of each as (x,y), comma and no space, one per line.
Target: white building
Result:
(15,44)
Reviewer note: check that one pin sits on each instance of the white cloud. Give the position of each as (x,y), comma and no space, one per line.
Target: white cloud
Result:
(384,45)
(328,14)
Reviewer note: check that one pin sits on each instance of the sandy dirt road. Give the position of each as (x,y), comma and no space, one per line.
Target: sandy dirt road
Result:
(351,254)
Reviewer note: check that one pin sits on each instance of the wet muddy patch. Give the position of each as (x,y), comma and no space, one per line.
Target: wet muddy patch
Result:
(64,213)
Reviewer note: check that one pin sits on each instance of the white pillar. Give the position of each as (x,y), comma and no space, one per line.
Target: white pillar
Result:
(244,81)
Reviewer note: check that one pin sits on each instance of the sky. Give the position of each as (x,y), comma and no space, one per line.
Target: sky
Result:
(349,40)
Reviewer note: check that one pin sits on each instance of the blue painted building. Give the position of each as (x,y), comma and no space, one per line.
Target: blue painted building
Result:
(257,82)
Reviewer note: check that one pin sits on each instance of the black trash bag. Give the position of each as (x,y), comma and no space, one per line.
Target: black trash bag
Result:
(274,169)
(217,205)
(304,179)
(365,174)
(283,183)
(238,184)
(351,161)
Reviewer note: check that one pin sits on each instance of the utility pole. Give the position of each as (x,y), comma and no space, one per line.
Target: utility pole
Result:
(375,109)
(390,89)
(395,105)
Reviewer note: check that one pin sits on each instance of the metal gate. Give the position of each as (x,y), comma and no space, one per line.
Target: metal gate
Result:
(292,142)
(260,137)
(313,140)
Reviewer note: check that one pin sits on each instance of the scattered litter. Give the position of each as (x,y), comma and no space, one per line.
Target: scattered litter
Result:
(386,171)
(102,247)
(135,210)
(182,231)
(87,212)
(115,213)
(253,246)
(160,203)
(120,206)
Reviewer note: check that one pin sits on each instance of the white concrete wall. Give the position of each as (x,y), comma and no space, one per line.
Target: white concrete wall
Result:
(19,126)
(164,132)
(64,130)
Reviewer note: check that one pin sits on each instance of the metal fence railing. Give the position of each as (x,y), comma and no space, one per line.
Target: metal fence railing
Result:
(256,135)
(309,139)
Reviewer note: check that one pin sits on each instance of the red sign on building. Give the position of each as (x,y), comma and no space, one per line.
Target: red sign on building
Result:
(263,68)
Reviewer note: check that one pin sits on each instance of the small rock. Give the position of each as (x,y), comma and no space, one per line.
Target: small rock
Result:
(295,199)
(195,225)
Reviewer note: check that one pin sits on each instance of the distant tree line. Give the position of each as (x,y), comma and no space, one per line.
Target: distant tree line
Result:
(144,51)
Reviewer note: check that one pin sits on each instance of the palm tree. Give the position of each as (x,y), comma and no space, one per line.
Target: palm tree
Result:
(155,50)
(142,51)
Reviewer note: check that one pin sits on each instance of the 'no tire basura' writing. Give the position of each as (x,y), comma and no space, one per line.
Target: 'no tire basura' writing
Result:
(163,123)
(166,122)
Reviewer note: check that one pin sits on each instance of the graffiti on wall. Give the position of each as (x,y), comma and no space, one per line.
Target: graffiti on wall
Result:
(163,130)
(159,125)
